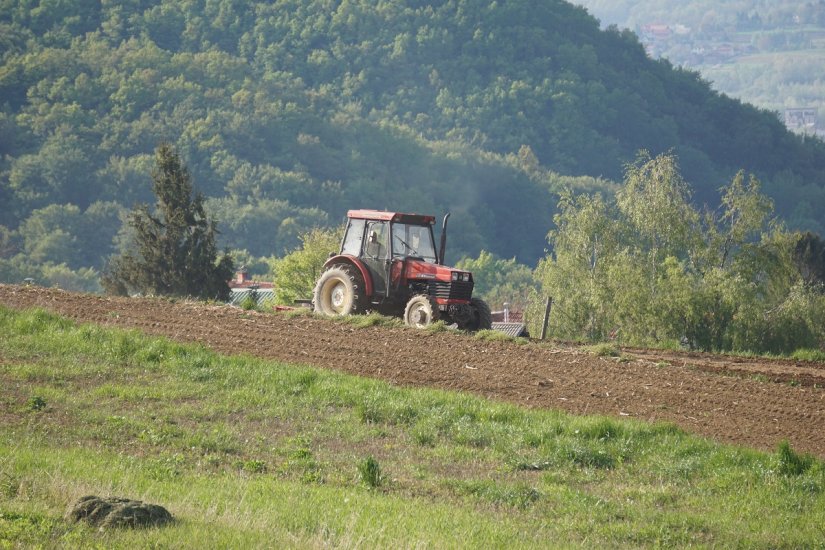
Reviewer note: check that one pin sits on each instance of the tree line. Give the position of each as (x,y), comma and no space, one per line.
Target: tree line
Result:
(648,267)
(642,267)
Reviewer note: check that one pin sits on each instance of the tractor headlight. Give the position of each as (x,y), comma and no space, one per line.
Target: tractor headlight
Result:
(454,276)
(466,277)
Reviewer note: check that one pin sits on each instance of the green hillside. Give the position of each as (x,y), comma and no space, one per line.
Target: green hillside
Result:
(767,53)
(289,113)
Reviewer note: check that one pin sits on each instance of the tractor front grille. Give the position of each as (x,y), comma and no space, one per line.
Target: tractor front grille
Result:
(456,290)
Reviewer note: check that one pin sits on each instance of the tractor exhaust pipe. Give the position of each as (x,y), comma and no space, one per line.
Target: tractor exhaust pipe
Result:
(443,248)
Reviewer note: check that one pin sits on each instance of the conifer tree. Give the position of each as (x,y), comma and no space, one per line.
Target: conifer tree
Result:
(174,251)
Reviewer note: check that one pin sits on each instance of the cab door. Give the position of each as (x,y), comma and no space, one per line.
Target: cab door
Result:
(375,256)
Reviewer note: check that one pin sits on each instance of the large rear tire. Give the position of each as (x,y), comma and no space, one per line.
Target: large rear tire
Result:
(421,311)
(338,292)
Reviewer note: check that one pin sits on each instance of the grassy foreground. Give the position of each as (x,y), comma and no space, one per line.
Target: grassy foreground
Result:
(248,453)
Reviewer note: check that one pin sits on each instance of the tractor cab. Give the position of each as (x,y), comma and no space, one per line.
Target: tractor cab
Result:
(389,259)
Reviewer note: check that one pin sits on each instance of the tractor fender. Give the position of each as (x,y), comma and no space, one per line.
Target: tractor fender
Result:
(352,260)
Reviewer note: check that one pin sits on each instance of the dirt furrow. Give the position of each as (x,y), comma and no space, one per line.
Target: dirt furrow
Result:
(747,401)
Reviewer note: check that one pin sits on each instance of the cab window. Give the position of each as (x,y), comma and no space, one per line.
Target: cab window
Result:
(412,241)
(354,237)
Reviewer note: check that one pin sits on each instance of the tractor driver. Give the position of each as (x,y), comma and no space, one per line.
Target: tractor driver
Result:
(377,242)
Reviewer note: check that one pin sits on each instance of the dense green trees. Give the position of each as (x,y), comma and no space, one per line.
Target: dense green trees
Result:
(61,245)
(173,252)
(649,268)
(325,107)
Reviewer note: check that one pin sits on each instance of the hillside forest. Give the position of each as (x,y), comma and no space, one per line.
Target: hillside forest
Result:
(289,113)
(767,53)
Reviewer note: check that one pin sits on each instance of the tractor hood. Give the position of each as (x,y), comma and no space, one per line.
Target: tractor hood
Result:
(447,284)
(420,270)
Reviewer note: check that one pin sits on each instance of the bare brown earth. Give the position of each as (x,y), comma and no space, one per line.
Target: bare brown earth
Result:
(753,402)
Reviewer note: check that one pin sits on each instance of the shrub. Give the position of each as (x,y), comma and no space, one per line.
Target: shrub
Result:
(249,303)
(490,335)
(604,350)
(36,403)
(253,466)
(370,472)
(792,463)
(438,326)
(296,273)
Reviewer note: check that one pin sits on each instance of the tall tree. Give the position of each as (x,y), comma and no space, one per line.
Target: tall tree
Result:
(650,269)
(174,250)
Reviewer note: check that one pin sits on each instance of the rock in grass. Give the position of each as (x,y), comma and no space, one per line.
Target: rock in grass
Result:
(118,512)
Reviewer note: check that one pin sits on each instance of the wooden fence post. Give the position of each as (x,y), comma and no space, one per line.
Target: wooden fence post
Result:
(547,308)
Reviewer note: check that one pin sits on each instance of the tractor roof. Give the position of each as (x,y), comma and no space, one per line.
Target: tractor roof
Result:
(382,215)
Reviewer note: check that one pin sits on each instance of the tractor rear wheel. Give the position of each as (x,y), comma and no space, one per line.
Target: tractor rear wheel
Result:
(421,311)
(337,292)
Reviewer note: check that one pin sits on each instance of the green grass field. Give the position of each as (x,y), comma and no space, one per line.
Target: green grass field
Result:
(248,453)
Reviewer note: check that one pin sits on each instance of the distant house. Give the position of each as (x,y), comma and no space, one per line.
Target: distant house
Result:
(507,316)
(656,31)
(680,29)
(801,120)
(242,287)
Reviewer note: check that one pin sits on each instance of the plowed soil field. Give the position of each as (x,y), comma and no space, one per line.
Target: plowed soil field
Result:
(746,401)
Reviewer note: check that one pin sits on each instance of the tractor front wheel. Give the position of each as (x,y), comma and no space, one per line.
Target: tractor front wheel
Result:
(421,311)
(337,292)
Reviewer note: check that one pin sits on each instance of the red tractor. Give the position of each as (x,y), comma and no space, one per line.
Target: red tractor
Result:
(388,263)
